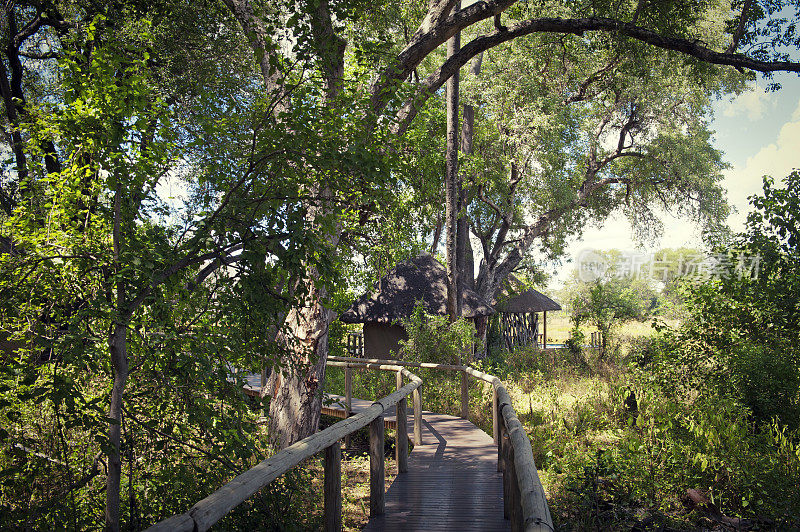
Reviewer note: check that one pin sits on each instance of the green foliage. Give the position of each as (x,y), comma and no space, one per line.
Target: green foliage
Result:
(740,338)
(610,463)
(607,304)
(576,340)
(710,406)
(436,339)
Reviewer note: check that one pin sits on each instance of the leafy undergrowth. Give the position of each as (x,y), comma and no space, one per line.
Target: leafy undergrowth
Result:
(616,453)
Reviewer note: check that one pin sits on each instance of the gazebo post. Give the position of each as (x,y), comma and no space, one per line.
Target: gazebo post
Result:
(544,326)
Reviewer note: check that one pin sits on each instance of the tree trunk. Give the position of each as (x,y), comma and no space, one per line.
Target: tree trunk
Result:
(119,362)
(437,233)
(452,188)
(466,258)
(296,390)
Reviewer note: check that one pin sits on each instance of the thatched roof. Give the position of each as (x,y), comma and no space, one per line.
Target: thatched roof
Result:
(419,278)
(515,297)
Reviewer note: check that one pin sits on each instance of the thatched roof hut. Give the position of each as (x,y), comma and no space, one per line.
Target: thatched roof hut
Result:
(515,298)
(421,278)
(519,319)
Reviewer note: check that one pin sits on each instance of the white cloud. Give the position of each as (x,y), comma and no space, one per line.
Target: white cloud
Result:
(776,159)
(796,114)
(752,104)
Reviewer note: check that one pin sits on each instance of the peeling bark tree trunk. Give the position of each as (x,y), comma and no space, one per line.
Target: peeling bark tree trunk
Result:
(119,362)
(296,403)
(294,410)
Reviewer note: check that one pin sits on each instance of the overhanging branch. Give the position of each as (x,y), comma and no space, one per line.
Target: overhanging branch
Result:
(579,26)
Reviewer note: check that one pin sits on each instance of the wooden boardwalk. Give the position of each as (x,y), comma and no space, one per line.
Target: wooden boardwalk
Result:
(449,480)
(452,481)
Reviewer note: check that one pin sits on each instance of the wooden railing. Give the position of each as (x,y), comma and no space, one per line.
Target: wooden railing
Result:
(524,500)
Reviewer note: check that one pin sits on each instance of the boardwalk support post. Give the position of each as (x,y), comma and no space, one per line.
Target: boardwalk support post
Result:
(502,455)
(377,476)
(401,445)
(417,397)
(333,488)
(501,437)
(348,398)
(464,395)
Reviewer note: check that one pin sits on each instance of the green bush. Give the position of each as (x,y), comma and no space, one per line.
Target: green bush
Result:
(436,339)
(576,340)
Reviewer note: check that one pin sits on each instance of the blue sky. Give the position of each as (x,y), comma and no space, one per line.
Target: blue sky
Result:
(759,134)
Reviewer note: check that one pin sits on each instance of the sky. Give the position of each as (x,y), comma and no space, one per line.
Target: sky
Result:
(759,134)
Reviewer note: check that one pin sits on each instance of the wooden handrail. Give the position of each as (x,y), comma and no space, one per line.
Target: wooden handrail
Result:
(375,363)
(214,507)
(524,497)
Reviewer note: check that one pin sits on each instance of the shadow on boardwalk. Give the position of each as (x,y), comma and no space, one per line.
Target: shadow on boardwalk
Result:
(452,482)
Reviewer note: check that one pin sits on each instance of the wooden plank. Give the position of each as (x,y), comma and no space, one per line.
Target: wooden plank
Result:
(491,379)
(533,503)
(377,475)
(451,484)
(371,362)
(514,510)
(333,488)
(503,453)
(495,417)
(401,439)
(348,390)
(348,398)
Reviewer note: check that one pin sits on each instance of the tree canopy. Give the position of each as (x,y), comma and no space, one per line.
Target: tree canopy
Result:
(190,186)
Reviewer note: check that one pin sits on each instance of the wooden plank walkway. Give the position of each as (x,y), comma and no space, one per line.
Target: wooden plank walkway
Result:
(452,481)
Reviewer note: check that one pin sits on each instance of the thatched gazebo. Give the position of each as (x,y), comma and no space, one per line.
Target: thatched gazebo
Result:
(420,278)
(519,309)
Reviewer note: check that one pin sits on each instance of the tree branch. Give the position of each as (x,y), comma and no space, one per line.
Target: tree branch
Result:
(693,48)
(435,29)
(737,36)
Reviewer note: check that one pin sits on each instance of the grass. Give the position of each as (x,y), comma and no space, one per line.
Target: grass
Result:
(559,326)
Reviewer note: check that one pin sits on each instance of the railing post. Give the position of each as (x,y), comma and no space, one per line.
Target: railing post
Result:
(401,443)
(377,476)
(333,488)
(417,398)
(495,417)
(464,395)
(348,398)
